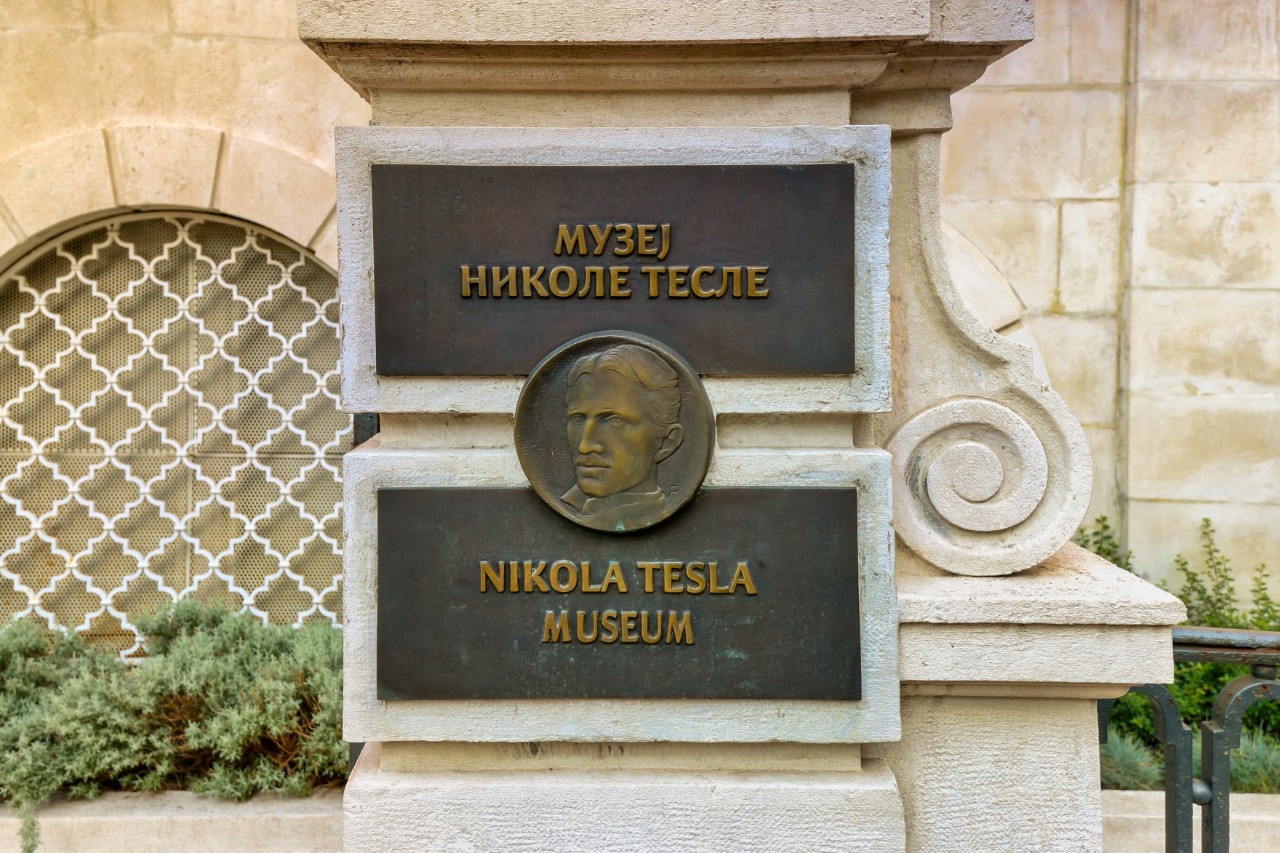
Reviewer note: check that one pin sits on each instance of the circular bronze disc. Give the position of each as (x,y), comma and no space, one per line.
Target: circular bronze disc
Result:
(614,431)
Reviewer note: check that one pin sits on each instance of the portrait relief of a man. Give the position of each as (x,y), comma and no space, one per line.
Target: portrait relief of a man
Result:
(622,419)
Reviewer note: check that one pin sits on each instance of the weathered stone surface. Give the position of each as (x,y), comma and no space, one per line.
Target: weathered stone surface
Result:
(178,820)
(133,15)
(1159,530)
(1204,448)
(1042,752)
(1083,362)
(1069,144)
(57,180)
(1194,342)
(1133,822)
(594,21)
(1089,257)
(1073,587)
(1099,36)
(1106,491)
(1207,132)
(252,18)
(593,809)
(1225,40)
(1021,240)
(155,164)
(1046,59)
(268,184)
(594,109)
(1206,235)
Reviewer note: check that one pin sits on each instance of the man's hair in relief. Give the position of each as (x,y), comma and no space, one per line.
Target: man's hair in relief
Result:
(639,365)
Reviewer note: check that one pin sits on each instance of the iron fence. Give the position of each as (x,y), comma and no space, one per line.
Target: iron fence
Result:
(1219,734)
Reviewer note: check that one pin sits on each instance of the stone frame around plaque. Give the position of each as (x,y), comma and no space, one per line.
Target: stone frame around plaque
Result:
(874,718)
(866,147)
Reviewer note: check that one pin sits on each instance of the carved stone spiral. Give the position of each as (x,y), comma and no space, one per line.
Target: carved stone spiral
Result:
(972,480)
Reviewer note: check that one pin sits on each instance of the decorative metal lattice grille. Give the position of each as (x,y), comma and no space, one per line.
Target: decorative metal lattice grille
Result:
(169,426)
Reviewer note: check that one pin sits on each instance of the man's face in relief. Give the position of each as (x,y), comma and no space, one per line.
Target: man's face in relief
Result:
(615,443)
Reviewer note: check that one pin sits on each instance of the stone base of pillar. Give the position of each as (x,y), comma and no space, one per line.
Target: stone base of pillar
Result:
(526,797)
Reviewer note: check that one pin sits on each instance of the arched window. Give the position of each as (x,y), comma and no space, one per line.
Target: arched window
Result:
(169,425)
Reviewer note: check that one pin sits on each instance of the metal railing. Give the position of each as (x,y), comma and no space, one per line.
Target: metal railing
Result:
(1218,735)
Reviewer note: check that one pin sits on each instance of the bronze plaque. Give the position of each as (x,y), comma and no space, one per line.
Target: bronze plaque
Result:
(614,431)
(744,594)
(479,270)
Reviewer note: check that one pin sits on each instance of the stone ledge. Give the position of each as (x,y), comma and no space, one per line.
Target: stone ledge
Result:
(1133,822)
(444,809)
(178,820)
(1073,587)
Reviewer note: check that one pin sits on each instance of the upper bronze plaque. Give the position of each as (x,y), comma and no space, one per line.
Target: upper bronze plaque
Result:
(479,270)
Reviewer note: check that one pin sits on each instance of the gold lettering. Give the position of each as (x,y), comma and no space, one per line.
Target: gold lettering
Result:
(571,243)
(609,626)
(533,577)
(683,628)
(629,626)
(601,238)
(742,575)
(588,274)
(666,241)
(489,576)
(675,278)
(695,577)
(654,286)
(500,281)
(533,280)
(695,282)
(648,569)
(650,639)
(513,576)
(583,636)
(613,575)
(716,589)
(648,240)
(586,578)
(478,279)
(736,273)
(555,629)
(671,577)
(557,273)
(625,235)
(618,283)
(559,568)
(755,282)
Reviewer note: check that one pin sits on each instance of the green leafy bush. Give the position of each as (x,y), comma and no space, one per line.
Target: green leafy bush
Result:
(1209,592)
(221,705)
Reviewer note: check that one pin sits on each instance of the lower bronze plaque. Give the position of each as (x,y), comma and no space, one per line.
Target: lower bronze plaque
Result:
(745,594)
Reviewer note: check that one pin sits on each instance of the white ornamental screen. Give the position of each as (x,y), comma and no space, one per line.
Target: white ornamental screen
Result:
(169,426)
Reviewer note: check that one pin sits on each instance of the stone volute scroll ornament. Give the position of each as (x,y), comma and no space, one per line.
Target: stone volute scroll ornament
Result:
(614,431)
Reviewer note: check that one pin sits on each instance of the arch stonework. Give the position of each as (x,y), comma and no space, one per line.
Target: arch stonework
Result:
(63,181)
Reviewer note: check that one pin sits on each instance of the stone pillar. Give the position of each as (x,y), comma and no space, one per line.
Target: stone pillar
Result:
(1007,635)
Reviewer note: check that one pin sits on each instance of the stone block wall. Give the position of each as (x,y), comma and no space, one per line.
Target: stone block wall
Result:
(1123,172)
(207,104)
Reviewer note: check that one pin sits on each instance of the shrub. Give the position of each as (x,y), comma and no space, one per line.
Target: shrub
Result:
(1128,764)
(1209,592)
(221,705)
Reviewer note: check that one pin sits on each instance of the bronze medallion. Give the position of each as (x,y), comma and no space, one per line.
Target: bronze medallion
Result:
(614,431)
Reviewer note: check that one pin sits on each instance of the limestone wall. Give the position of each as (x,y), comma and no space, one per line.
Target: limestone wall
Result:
(209,104)
(1123,172)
